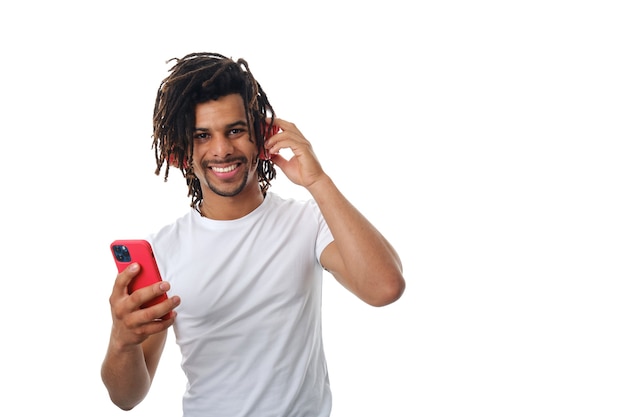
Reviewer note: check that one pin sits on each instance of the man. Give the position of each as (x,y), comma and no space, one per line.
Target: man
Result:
(244,267)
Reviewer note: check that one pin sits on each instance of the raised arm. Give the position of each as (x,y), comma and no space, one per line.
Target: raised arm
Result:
(360,257)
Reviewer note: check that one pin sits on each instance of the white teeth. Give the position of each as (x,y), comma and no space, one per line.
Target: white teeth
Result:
(224,169)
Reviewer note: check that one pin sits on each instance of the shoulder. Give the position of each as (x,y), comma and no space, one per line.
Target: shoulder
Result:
(292,205)
(170,231)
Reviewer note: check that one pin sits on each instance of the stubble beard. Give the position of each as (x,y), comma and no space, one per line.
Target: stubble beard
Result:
(230,193)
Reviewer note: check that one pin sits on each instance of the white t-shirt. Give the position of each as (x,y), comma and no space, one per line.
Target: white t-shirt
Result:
(249,322)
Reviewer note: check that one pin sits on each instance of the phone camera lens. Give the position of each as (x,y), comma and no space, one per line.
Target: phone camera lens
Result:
(121,253)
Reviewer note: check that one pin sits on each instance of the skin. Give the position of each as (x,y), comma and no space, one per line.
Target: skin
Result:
(225,156)
(222,142)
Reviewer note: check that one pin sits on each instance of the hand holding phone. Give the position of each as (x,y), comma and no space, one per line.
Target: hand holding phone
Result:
(127,251)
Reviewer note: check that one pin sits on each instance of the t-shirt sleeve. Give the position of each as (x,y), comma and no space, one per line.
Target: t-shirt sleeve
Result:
(324,236)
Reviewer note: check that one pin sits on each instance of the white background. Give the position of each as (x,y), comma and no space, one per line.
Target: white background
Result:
(485,139)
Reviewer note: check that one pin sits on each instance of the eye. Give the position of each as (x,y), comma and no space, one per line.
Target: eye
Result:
(200,136)
(235,131)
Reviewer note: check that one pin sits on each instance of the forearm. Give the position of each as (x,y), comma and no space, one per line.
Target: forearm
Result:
(125,375)
(371,267)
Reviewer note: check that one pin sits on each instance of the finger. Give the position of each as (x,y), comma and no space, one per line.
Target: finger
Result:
(157,325)
(139,325)
(284,140)
(123,279)
(277,121)
(149,293)
(286,126)
(163,311)
(279,160)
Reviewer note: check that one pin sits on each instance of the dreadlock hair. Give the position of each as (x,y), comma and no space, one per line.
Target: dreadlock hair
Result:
(197,78)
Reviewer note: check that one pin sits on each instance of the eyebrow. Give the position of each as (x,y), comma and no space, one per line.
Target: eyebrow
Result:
(238,123)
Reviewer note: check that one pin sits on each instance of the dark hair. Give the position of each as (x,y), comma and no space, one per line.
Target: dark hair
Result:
(194,79)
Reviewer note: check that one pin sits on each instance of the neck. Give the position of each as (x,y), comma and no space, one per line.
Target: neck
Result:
(217,207)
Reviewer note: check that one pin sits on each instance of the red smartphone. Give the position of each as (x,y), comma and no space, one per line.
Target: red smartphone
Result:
(127,251)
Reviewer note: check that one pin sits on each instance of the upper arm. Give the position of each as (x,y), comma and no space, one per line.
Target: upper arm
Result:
(374,286)
(332,262)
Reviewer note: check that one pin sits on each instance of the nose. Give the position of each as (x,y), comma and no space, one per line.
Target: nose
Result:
(221,146)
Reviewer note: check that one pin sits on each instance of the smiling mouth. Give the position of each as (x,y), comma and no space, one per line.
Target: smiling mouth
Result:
(225,169)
